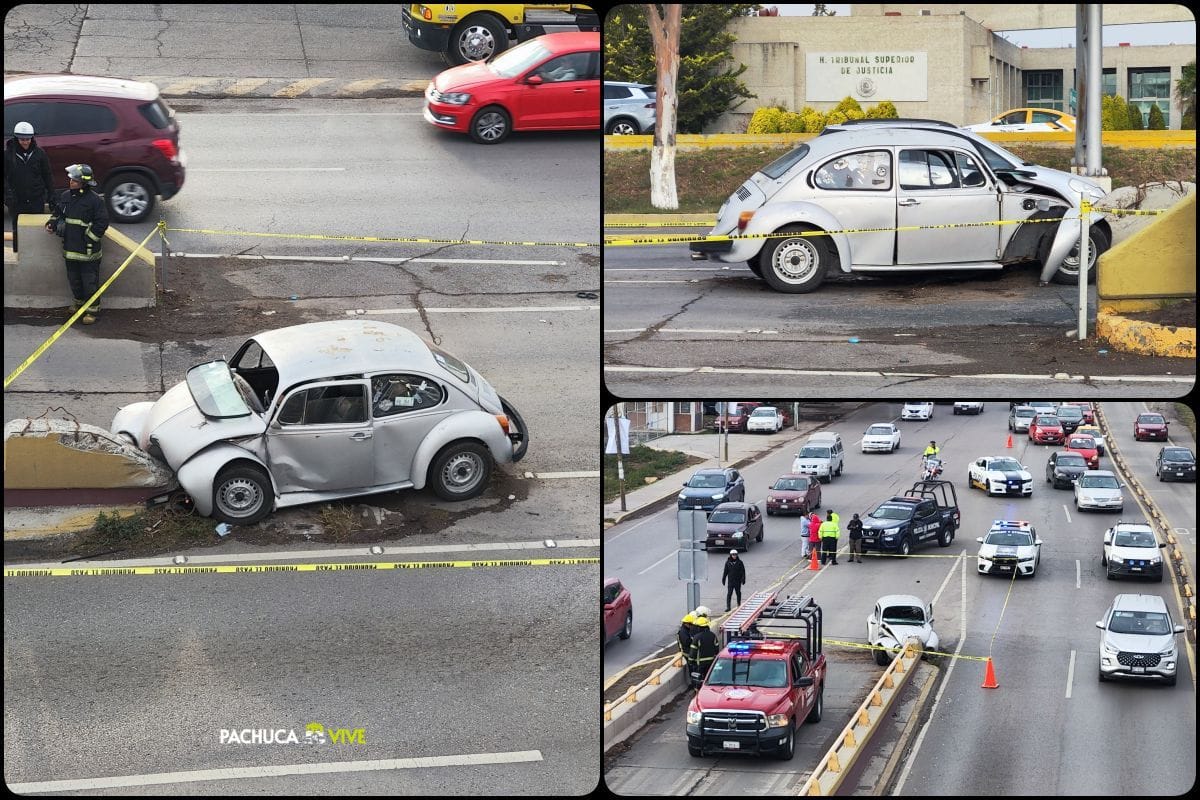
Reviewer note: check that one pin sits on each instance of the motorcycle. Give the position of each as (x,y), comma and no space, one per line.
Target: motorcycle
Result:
(931,469)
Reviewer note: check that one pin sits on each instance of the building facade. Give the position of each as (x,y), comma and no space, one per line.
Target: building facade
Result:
(937,63)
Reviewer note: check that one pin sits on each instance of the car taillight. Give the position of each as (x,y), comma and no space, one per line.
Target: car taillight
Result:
(503,420)
(744,219)
(167,148)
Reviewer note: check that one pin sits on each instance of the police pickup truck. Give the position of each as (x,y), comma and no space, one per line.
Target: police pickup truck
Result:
(926,513)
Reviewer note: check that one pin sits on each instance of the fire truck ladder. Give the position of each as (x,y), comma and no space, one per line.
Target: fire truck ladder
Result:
(738,623)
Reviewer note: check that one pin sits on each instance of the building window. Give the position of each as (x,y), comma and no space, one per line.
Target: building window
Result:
(1110,82)
(1044,89)
(1149,87)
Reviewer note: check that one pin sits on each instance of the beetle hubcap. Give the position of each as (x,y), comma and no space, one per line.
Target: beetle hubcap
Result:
(240,497)
(795,261)
(490,125)
(462,472)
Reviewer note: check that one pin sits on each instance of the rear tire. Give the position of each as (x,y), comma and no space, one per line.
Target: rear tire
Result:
(130,198)
(627,629)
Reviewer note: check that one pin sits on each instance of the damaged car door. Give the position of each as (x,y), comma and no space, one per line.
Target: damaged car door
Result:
(321,439)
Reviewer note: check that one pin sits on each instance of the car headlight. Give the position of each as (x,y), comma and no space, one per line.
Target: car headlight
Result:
(982,557)
(1116,559)
(1025,560)
(891,531)
(693,717)
(1168,653)
(717,496)
(739,534)
(683,495)
(777,721)
(1108,649)
(456,98)
(1156,560)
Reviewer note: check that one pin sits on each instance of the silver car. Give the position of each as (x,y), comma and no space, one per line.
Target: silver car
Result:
(1099,489)
(629,108)
(880,181)
(324,411)
(1138,639)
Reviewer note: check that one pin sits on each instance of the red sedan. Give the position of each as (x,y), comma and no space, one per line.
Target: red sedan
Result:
(1086,447)
(1046,429)
(1150,426)
(618,610)
(548,83)
(793,493)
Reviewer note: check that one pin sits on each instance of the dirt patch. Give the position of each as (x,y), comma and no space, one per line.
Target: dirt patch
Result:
(1176,315)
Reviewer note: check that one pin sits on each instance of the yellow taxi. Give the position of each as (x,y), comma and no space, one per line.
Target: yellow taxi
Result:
(1022,120)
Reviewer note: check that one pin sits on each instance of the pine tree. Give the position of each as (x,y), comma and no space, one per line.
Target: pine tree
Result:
(708,84)
(1156,121)
(1135,118)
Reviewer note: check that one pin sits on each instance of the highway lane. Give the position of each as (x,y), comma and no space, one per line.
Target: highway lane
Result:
(1040,634)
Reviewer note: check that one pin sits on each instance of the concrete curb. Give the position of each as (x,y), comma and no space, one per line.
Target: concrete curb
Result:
(1135,336)
(287,88)
(629,718)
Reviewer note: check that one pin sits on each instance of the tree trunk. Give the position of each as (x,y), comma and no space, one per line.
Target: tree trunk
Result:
(665,33)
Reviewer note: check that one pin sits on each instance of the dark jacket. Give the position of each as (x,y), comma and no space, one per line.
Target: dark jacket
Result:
(735,571)
(27,174)
(86,217)
(704,648)
(685,638)
(855,528)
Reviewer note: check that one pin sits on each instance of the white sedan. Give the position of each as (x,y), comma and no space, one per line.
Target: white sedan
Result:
(1000,475)
(917,411)
(1010,548)
(882,437)
(897,617)
(766,419)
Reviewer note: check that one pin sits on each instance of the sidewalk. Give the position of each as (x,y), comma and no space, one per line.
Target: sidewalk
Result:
(744,448)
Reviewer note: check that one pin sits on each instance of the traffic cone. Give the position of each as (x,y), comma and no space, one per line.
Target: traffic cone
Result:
(989,678)
(813,564)
(1009,445)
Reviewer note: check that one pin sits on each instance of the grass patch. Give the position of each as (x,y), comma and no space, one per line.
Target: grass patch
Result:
(339,521)
(152,528)
(705,178)
(1185,415)
(641,463)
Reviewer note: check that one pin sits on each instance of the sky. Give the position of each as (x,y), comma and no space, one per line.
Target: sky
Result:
(1150,33)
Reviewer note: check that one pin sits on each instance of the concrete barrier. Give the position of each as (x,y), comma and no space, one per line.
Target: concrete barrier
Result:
(36,277)
(627,716)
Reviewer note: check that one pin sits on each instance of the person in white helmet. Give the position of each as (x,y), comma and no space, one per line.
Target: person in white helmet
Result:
(80,217)
(27,183)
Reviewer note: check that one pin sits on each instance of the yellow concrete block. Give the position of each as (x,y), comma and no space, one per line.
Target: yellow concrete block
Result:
(1157,261)
(1135,336)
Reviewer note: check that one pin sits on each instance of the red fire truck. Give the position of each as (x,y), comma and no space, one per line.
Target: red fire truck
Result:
(767,680)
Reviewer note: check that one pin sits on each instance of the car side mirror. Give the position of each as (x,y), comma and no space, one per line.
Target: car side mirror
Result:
(1037,542)
(803,680)
(979,539)
(534,80)
(1162,544)
(1100,625)
(684,484)
(608,606)
(1179,629)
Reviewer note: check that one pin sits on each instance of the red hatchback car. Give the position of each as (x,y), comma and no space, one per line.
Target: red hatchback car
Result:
(1086,447)
(1150,426)
(122,129)
(793,493)
(618,610)
(1046,429)
(548,83)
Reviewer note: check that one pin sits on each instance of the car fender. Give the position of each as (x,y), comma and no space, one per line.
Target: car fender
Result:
(772,217)
(1064,240)
(198,474)
(475,425)
(131,420)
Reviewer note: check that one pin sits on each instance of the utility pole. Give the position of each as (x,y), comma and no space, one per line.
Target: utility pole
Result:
(615,445)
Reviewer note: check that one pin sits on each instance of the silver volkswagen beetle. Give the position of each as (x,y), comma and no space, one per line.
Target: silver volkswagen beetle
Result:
(882,183)
(323,411)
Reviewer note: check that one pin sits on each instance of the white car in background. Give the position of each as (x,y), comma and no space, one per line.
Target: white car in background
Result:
(1000,475)
(962,407)
(897,617)
(766,419)
(1099,489)
(917,411)
(882,437)
(1010,548)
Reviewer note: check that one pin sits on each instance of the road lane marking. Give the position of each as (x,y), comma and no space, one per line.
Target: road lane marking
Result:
(451,310)
(587,473)
(367,259)
(667,557)
(1070,674)
(1078,573)
(1067,511)
(616,536)
(251,773)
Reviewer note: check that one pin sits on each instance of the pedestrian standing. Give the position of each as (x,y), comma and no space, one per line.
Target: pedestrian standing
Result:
(704,650)
(684,635)
(854,526)
(829,539)
(733,577)
(27,183)
(814,537)
(84,219)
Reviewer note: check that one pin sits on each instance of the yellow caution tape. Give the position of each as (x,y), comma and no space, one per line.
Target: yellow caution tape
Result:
(82,310)
(73,572)
(1128,211)
(681,238)
(658,224)
(391,239)
(861,646)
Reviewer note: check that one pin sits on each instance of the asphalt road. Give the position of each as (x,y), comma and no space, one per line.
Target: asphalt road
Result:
(1040,632)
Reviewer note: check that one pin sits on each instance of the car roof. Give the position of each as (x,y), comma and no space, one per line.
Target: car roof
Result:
(1099,472)
(793,475)
(611,581)
(344,347)
(1138,525)
(630,84)
(1139,602)
(900,600)
(824,436)
(881,136)
(570,40)
(732,505)
(21,86)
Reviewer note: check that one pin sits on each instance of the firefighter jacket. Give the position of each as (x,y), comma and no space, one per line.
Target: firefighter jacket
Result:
(86,219)
(685,639)
(704,648)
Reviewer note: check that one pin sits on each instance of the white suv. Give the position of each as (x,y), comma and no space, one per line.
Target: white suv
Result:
(1138,639)
(1132,550)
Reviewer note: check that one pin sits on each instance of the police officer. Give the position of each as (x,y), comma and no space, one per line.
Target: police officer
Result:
(855,527)
(733,577)
(931,451)
(829,538)
(27,183)
(704,650)
(84,219)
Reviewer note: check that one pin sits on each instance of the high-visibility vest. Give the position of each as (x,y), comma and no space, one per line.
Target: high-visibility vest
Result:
(931,451)
(828,530)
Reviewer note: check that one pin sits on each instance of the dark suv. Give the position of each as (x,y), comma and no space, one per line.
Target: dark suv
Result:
(122,129)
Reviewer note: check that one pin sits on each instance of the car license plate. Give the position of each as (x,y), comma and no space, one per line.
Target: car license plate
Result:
(1135,669)
(728,745)
(1136,569)
(868,541)
(783,505)
(720,542)
(1005,569)
(1177,474)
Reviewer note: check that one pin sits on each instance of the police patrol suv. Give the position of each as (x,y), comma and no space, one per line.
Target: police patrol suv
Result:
(1010,548)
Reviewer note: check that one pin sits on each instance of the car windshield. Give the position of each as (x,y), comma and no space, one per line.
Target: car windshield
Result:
(770,673)
(814,452)
(1070,412)
(763,412)
(1024,412)
(215,392)
(1135,538)
(776,169)
(707,481)
(1153,419)
(879,430)
(728,516)
(887,511)
(904,615)
(1007,465)
(1150,623)
(1179,454)
(1046,422)
(1009,538)
(1070,460)
(512,63)
(1082,443)
(791,484)
(1098,482)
